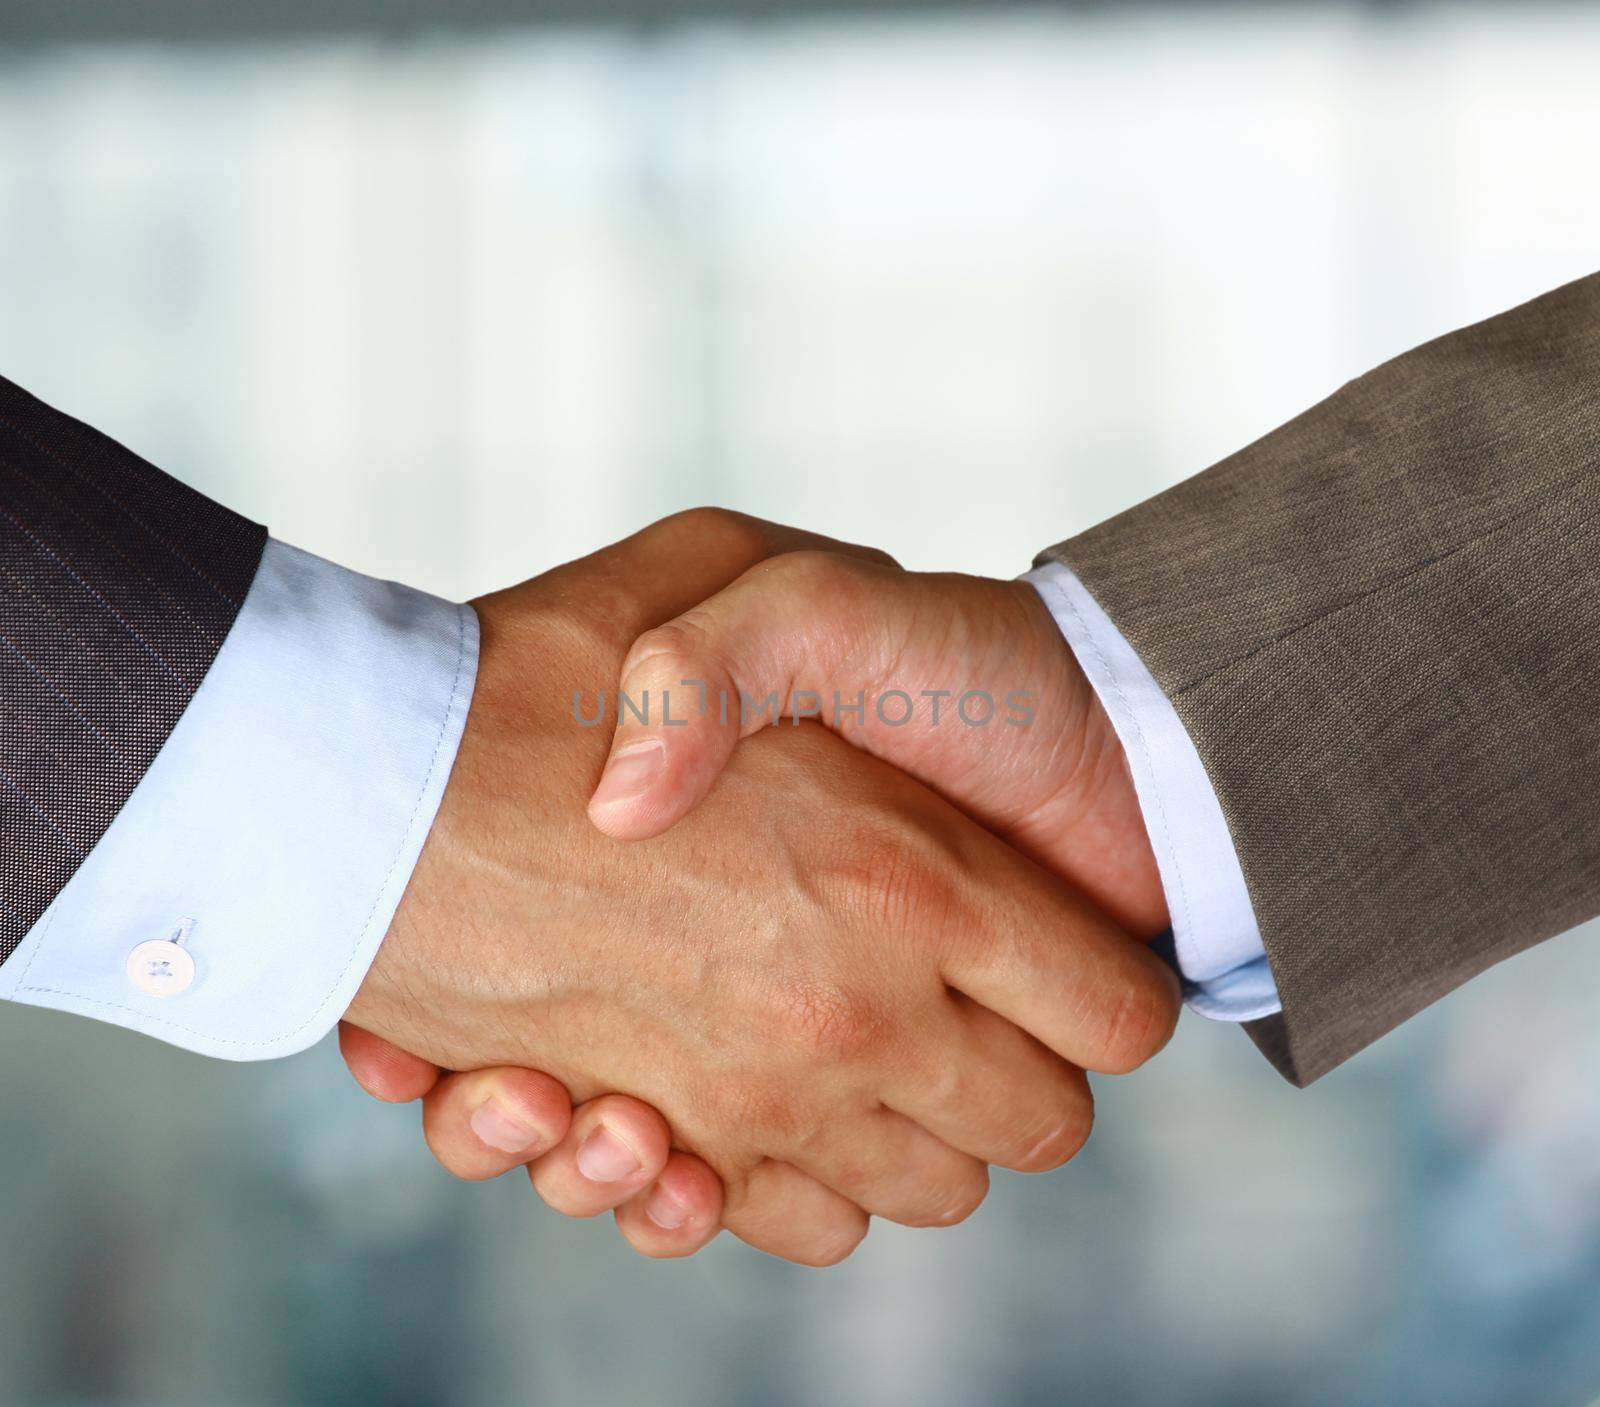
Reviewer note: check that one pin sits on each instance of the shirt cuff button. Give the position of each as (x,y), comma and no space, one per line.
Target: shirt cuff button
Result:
(160,968)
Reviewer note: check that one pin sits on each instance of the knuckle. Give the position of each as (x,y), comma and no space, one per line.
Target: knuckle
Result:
(894,878)
(893,884)
(1058,1143)
(949,1084)
(682,639)
(835,1244)
(717,529)
(853,1180)
(824,1021)
(955,1202)
(816,575)
(1139,1021)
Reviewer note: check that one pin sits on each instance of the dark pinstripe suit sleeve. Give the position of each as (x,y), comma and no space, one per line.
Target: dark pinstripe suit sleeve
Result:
(118,586)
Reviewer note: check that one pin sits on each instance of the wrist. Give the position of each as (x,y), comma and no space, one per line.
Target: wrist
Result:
(1090,827)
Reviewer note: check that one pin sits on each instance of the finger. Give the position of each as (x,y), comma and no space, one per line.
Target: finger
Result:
(991,1090)
(667,567)
(678,1213)
(890,1166)
(615,1148)
(385,1071)
(1041,956)
(786,635)
(780,1210)
(486,1122)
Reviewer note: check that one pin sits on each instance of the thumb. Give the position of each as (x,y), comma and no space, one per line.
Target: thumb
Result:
(760,650)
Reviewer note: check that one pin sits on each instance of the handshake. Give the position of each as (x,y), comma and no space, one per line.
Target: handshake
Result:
(862,886)
(859,894)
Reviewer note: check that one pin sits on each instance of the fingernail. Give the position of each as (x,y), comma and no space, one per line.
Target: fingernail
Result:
(603,1157)
(665,1210)
(630,772)
(498,1129)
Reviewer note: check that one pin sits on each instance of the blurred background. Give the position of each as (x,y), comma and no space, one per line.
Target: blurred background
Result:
(452,291)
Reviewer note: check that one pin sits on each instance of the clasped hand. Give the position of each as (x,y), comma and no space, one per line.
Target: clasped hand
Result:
(830,971)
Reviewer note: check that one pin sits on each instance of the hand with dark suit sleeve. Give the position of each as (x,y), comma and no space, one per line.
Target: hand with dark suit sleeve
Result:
(251,792)
(119,588)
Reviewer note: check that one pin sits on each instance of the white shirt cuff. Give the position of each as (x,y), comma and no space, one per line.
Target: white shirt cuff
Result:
(1214,930)
(275,832)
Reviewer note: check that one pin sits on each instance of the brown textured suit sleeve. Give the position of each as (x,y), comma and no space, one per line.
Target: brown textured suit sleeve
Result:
(1381,626)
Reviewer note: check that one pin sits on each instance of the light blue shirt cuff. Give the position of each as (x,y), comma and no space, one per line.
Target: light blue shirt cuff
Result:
(276,830)
(1214,929)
